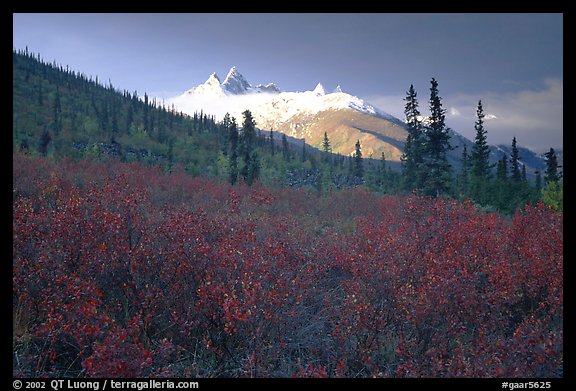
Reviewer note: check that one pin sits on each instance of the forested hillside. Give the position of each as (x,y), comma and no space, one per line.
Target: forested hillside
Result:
(59,112)
(64,113)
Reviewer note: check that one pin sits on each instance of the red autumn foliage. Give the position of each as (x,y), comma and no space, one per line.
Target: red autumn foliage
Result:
(121,270)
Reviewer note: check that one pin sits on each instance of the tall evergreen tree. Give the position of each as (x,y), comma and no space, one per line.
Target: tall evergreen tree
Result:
(551,174)
(412,158)
(481,150)
(502,169)
(371,175)
(480,160)
(253,168)
(195,121)
(383,173)
(45,139)
(248,134)
(358,161)
(351,167)
(516,175)
(146,114)
(224,127)
(246,148)
(438,176)
(538,183)
(523,175)
(226,121)
(326,144)
(233,154)
(501,189)
(285,148)
(326,147)
(272,146)
(463,180)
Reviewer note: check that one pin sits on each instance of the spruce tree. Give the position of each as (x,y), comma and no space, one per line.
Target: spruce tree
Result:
(233,154)
(326,143)
(225,133)
(481,150)
(551,174)
(285,148)
(501,191)
(515,162)
(502,169)
(371,175)
(326,147)
(463,182)
(146,114)
(480,160)
(226,121)
(45,139)
(253,168)
(538,183)
(412,158)
(351,168)
(523,175)
(437,145)
(383,173)
(358,163)
(249,172)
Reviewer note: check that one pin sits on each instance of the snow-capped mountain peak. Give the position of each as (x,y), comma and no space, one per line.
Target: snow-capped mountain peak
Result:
(211,87)
(213,80)
(338,89)
(319,90)
(235,83)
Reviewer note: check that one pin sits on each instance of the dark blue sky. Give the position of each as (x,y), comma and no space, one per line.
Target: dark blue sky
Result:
(507,60)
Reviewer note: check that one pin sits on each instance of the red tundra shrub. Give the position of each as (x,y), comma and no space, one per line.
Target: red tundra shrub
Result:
(121,270)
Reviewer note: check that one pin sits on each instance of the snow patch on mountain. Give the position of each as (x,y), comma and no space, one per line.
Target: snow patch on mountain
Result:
(270,87)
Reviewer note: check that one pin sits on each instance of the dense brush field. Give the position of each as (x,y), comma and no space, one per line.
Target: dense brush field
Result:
(121,270)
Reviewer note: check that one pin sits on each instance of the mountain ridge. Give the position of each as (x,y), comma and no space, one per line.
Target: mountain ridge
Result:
(297,114)
(308,114)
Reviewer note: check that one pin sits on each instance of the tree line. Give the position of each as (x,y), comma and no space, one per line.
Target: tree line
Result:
(426,170)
